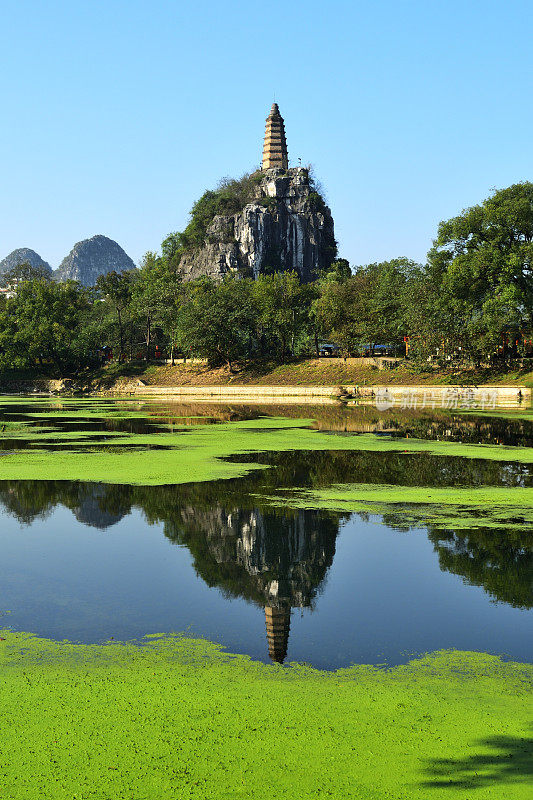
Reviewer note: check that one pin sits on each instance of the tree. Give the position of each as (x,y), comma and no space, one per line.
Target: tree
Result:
(482,264)
(390,285)
(116,287)
(341,311)
(339,270)
(42,324)
(217,321)
(282,304)
(369,307)
(156,298)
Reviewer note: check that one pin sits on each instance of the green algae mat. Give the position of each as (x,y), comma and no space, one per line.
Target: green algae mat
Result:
(189,453)
(195,453)
(176,717)
(460,508)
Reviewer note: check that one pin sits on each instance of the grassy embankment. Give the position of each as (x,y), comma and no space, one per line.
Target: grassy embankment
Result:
(309,372)
(177,717)
(313,372)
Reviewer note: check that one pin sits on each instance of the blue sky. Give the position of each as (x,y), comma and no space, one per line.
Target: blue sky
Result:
(117,115)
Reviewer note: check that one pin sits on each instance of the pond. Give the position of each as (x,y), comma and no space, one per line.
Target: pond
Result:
(235,561)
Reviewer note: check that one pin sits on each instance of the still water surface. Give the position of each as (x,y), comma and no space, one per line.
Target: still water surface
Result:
(93,561)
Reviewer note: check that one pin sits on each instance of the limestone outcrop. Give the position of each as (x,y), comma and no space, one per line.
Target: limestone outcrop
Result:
(24,255)
(285,226)
(91,258)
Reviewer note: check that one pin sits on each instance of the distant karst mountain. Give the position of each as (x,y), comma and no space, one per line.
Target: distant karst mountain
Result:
(23,256)
(91,258)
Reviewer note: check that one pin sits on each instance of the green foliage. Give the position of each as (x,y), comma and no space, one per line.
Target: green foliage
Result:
(368,307)
(481,268)
(217,322)
(228,198)
(42,324)
(316,202)
(116,289)
(269,203)
(339,270)
(242,319)
(282,318)
(328,251)
(156,299)
(24,272)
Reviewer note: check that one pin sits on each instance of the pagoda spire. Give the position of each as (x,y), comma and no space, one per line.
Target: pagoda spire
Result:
(275,146)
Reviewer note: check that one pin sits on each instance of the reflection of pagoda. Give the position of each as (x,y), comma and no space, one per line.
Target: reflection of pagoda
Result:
(278,624)
(277,561)
(278,620)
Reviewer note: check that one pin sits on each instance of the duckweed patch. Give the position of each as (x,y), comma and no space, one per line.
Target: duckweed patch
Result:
(176,717)
(461,508)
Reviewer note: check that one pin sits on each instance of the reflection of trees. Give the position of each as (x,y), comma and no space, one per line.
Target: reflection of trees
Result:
(467,428)
(499,561)
(424,423)
(316,469)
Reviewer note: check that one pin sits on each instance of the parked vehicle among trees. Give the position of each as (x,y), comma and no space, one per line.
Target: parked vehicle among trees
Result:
(326,350)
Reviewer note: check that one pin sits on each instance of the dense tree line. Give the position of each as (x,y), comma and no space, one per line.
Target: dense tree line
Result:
(474,293)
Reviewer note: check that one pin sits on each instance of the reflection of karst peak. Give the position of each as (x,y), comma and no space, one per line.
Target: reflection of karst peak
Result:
(275,560)
(98,505)
(90,512)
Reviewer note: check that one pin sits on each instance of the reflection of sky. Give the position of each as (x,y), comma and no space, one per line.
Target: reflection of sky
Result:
(384,598)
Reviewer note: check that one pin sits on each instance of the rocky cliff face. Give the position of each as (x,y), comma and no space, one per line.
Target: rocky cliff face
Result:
(287,226)
(24,256)
(91,258)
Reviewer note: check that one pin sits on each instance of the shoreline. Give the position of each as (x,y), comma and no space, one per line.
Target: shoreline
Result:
(484,396)
(324,378)
(384,397)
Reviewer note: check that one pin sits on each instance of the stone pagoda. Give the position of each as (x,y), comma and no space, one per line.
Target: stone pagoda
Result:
(275,146)
(283,223)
